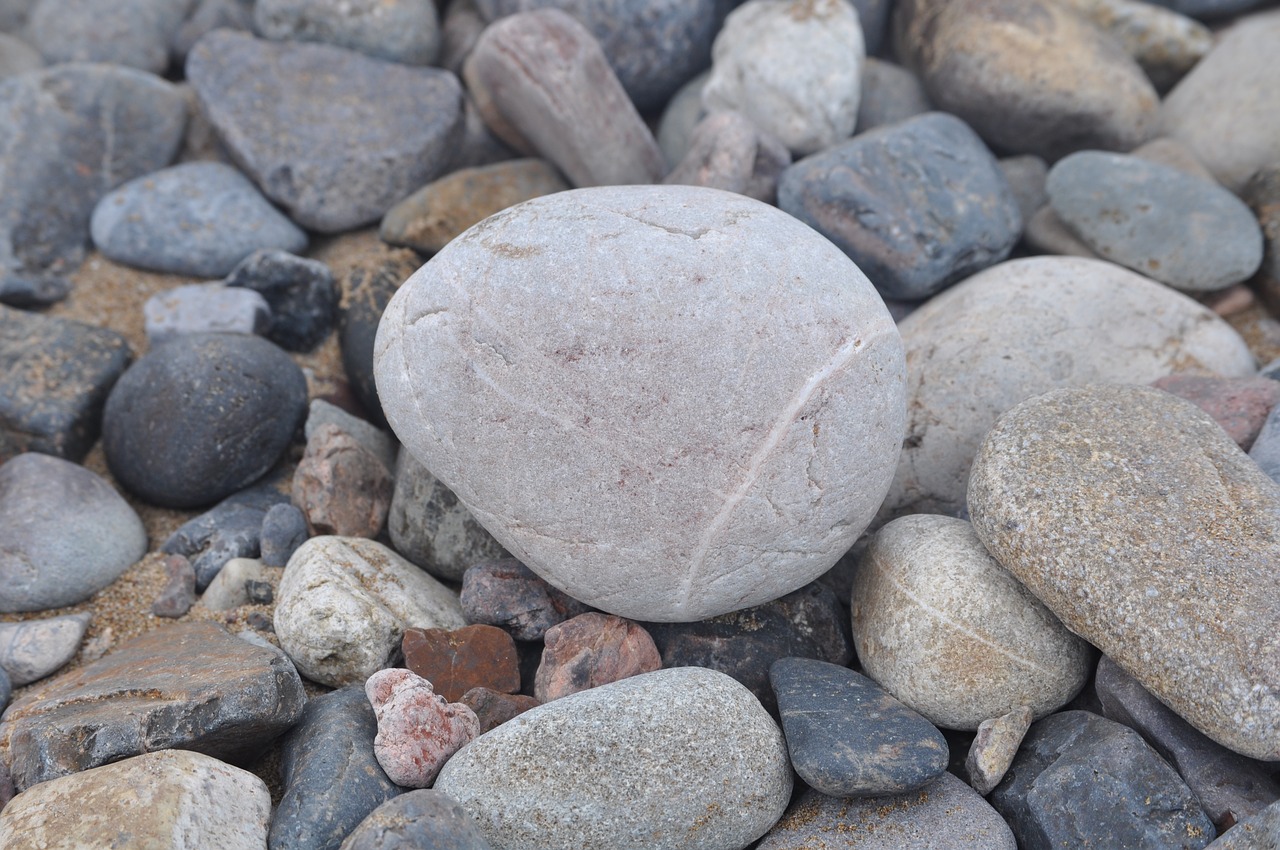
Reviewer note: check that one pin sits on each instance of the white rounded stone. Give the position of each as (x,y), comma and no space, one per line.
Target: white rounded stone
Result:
(947,630)
(670,402)
(344,603)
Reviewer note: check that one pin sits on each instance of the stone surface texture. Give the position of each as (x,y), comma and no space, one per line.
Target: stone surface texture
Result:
(766,465)
(418,730)
(508,594)
(32,649)
(994,748)
(1239,405)
(204,308)
(419,819)
(340,486)
(458,660)
(727,151)
(591,650)
(405,31)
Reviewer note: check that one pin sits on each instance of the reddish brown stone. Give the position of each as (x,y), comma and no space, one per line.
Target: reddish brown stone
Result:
(508,594)
(340,486)
(493,708)
(590,650)
(456,661)
(1239,405)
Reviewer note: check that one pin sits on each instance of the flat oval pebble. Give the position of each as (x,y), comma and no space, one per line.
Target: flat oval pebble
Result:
(1027,326)
(67,533)
(670,402)
(199,219)
(1189,233)
(944,628)
(596,770)
(135,33)
(1145,529)
(847,736)
(944,815)
(204,308)
(201,417)
(344,603)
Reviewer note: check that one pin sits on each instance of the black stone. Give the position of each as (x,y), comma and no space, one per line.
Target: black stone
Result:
(284,529)
(807,623)
(419,820)
(230,529)
(54,379)
(202,416)
(332,779)
(302,295)
(847,736)
(1080,780)
(369,288)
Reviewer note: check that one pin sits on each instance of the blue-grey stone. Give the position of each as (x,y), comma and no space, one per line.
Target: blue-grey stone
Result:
(654,46)
(302,294)
(197,218)
(204,308)
(202,416)
(944,815)
(17,57)
(1081,780)
(396,30)
(284,529)
(849,737)
(1266,448)
(890,93)
(332,780)
(207,16)
(231,529)
(1182,230)
(55,375)
(72,133)
(334,136)
(917,205)
(6,691)
(136,33)
(425,819)
(874,17)
(67,533)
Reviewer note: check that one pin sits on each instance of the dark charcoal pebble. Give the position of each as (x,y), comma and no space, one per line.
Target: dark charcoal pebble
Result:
(332,779)
(54,379)
(179,592)
(807,623)
(918,205)
(230,529)
(1080,780)
(493,708)
(301,293)
(847,736)
(419,820)
(202,416)
(284,529)
(507,594)
(369,288)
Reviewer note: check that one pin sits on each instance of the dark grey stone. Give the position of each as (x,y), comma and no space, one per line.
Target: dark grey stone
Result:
(189,686)
(332,780)
(425,819)
(849,737)
(1260,832)
(654,46)
(369,289)
(917,205)
(890,93)
(13,14)
(71,134)
(136,33)
(284,529)
(302,295)
(507,594)
(1229,786)
(6,692)
(1262,194)
(198,218)
(231,529)
(1081,780)
(874,17)
(332,135)
(806,623)
(55,375)
(201,417)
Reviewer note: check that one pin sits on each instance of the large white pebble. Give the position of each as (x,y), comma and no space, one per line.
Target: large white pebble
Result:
(670,402)
(344,603)
(677,759)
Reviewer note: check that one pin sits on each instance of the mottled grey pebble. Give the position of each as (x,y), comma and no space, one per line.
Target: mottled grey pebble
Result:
(136,33)
(507,594)
(204,308)
(1027,175)
(424,819)
(728,152)
(207,16)
(396,30)
(301,293)
(890,93)
(179,592)
(230,529)
(381,444)
(32,649)
(1260,832)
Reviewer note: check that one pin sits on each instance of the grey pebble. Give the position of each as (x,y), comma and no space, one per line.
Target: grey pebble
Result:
(230,529)
(204,308)
(395,30)
(424,819)
(381,444)
(179,592)
(301,293)
(890,93)
(32,649)
(135,33)
(17,57)
(284,529)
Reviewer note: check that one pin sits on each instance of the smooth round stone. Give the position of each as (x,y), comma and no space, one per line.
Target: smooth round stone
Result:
(1189,233)
(201,417)
(345,602)
(1227,109)
(396,30)
(424,818)
(598,769)
(32,649)
(1025,327)
(1175,529)
(794,67)
(1030,77)
(944,628)
(670,402)
(918,205)
(1165,43)
(847,736)
(683,113)
(67,533)
(889,94)
(198,219)
(945,815)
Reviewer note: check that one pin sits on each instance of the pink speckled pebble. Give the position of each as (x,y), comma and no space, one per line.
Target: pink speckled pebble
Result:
(417,730)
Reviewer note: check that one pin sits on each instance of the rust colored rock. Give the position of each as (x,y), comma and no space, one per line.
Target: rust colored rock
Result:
(1239,405)
(455,661)
(590,650)
(542,78)
(418,730)
(508,594)
(728,152)
(493,708)
(179,591)
(340,486)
